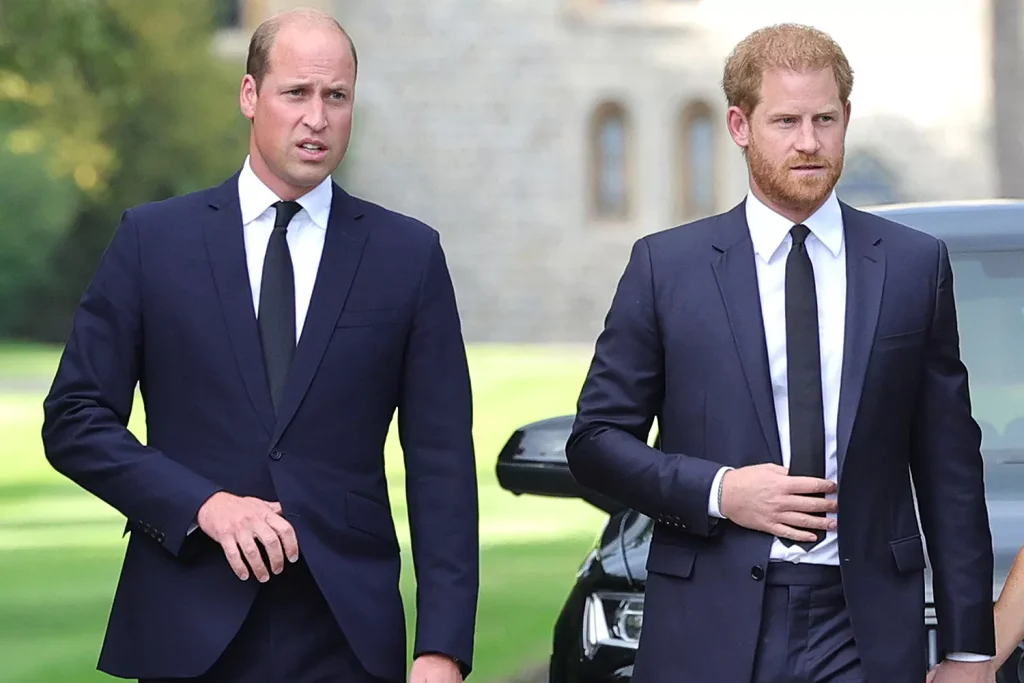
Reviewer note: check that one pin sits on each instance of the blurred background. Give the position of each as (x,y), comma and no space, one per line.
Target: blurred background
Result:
(540,137)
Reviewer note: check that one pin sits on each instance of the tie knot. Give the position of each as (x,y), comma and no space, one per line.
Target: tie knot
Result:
(285,212)
(799,233)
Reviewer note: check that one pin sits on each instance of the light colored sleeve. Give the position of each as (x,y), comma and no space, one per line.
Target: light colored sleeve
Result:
(716,488)
(967,657)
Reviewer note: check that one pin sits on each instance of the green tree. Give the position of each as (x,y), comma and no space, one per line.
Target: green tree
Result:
(127,100)
(37,211)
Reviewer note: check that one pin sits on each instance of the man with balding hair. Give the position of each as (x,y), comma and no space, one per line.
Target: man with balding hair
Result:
(801,358)
(274,325)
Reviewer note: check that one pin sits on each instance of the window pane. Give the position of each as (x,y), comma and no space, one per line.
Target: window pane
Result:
(701,172)
(612,165)
(989,290)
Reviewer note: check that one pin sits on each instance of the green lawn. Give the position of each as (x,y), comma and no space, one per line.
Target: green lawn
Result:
(27,360)
(60,549)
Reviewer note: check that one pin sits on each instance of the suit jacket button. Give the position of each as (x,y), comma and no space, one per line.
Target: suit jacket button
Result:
(276,454)
(757,573)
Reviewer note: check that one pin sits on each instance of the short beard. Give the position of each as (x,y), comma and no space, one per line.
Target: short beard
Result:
(800,195)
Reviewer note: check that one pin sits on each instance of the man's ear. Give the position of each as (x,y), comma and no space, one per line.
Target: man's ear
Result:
(247,97)
(739,126)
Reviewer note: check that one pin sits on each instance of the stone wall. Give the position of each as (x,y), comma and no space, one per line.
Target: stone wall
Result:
(473,117)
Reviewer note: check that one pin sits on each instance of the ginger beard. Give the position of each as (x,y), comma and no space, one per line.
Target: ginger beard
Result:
(786,187)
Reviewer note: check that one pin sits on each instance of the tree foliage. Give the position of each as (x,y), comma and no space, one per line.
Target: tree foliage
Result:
(124,98)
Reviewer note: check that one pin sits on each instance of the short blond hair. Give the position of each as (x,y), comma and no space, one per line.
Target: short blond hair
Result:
(789,47)
(257,63)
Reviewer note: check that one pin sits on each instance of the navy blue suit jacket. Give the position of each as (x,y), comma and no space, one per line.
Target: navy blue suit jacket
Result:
(170,309)
(684,343)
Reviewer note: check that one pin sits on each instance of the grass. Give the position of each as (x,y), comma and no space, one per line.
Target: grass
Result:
(27,361)
(60,549)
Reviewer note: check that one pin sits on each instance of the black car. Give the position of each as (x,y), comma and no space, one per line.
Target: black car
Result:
(597,631)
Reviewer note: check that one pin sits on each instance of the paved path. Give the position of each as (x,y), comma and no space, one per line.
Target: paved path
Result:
(25,385)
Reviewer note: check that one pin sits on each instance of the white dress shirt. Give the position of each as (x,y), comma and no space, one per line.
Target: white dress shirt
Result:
(825,244)
(306,234)
(769,233)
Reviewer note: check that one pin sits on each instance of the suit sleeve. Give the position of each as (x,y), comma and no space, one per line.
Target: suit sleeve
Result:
(948,476)
(624,390)
(435,423)
(85,423)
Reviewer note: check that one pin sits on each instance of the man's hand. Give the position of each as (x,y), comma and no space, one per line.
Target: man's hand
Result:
(766,498)
(950,671)
(435,669)
(235,523)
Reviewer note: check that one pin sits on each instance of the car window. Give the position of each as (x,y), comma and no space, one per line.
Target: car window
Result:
(989,289)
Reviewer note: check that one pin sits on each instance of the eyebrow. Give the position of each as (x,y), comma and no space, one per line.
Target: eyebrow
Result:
(292,85)
(784,113)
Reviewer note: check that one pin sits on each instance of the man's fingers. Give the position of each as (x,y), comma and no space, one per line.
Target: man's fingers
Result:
(810,504)
(255,538)
(809,485)
(234,557)
(272,544)
(802,521)
(784,531)
(285,532)
(251,552)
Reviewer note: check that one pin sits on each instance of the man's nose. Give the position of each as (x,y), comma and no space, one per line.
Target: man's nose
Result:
(808,142)
(315,118)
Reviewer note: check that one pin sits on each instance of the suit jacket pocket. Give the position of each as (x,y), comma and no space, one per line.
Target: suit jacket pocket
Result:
(908,553)
(900,339)
(367,316)
(674,560)
(370,517)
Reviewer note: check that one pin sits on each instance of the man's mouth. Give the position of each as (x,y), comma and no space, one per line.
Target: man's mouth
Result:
(312,146)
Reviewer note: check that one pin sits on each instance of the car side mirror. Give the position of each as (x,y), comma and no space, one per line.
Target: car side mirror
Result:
(533,462)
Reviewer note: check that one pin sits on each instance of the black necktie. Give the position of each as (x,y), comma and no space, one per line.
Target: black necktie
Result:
(277,303)
(803,362)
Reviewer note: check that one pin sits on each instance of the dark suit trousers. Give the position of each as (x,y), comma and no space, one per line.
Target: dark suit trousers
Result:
(289,636)
(806,636)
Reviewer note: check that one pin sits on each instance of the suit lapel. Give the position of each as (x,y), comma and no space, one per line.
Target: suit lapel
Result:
(225,244)
(343,247)
(865,277)
(736,274)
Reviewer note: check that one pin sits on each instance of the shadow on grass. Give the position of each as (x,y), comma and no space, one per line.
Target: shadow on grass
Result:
(55,601)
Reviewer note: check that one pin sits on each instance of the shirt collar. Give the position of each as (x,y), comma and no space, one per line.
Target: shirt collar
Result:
(768,229)
(255,198)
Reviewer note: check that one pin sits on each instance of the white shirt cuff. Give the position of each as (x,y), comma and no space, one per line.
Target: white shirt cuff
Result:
(716,486)
(967,657)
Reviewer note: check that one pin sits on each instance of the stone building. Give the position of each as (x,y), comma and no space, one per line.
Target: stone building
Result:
(542,137)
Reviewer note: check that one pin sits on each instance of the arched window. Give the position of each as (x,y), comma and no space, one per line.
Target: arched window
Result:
(698,162)
(610,153)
